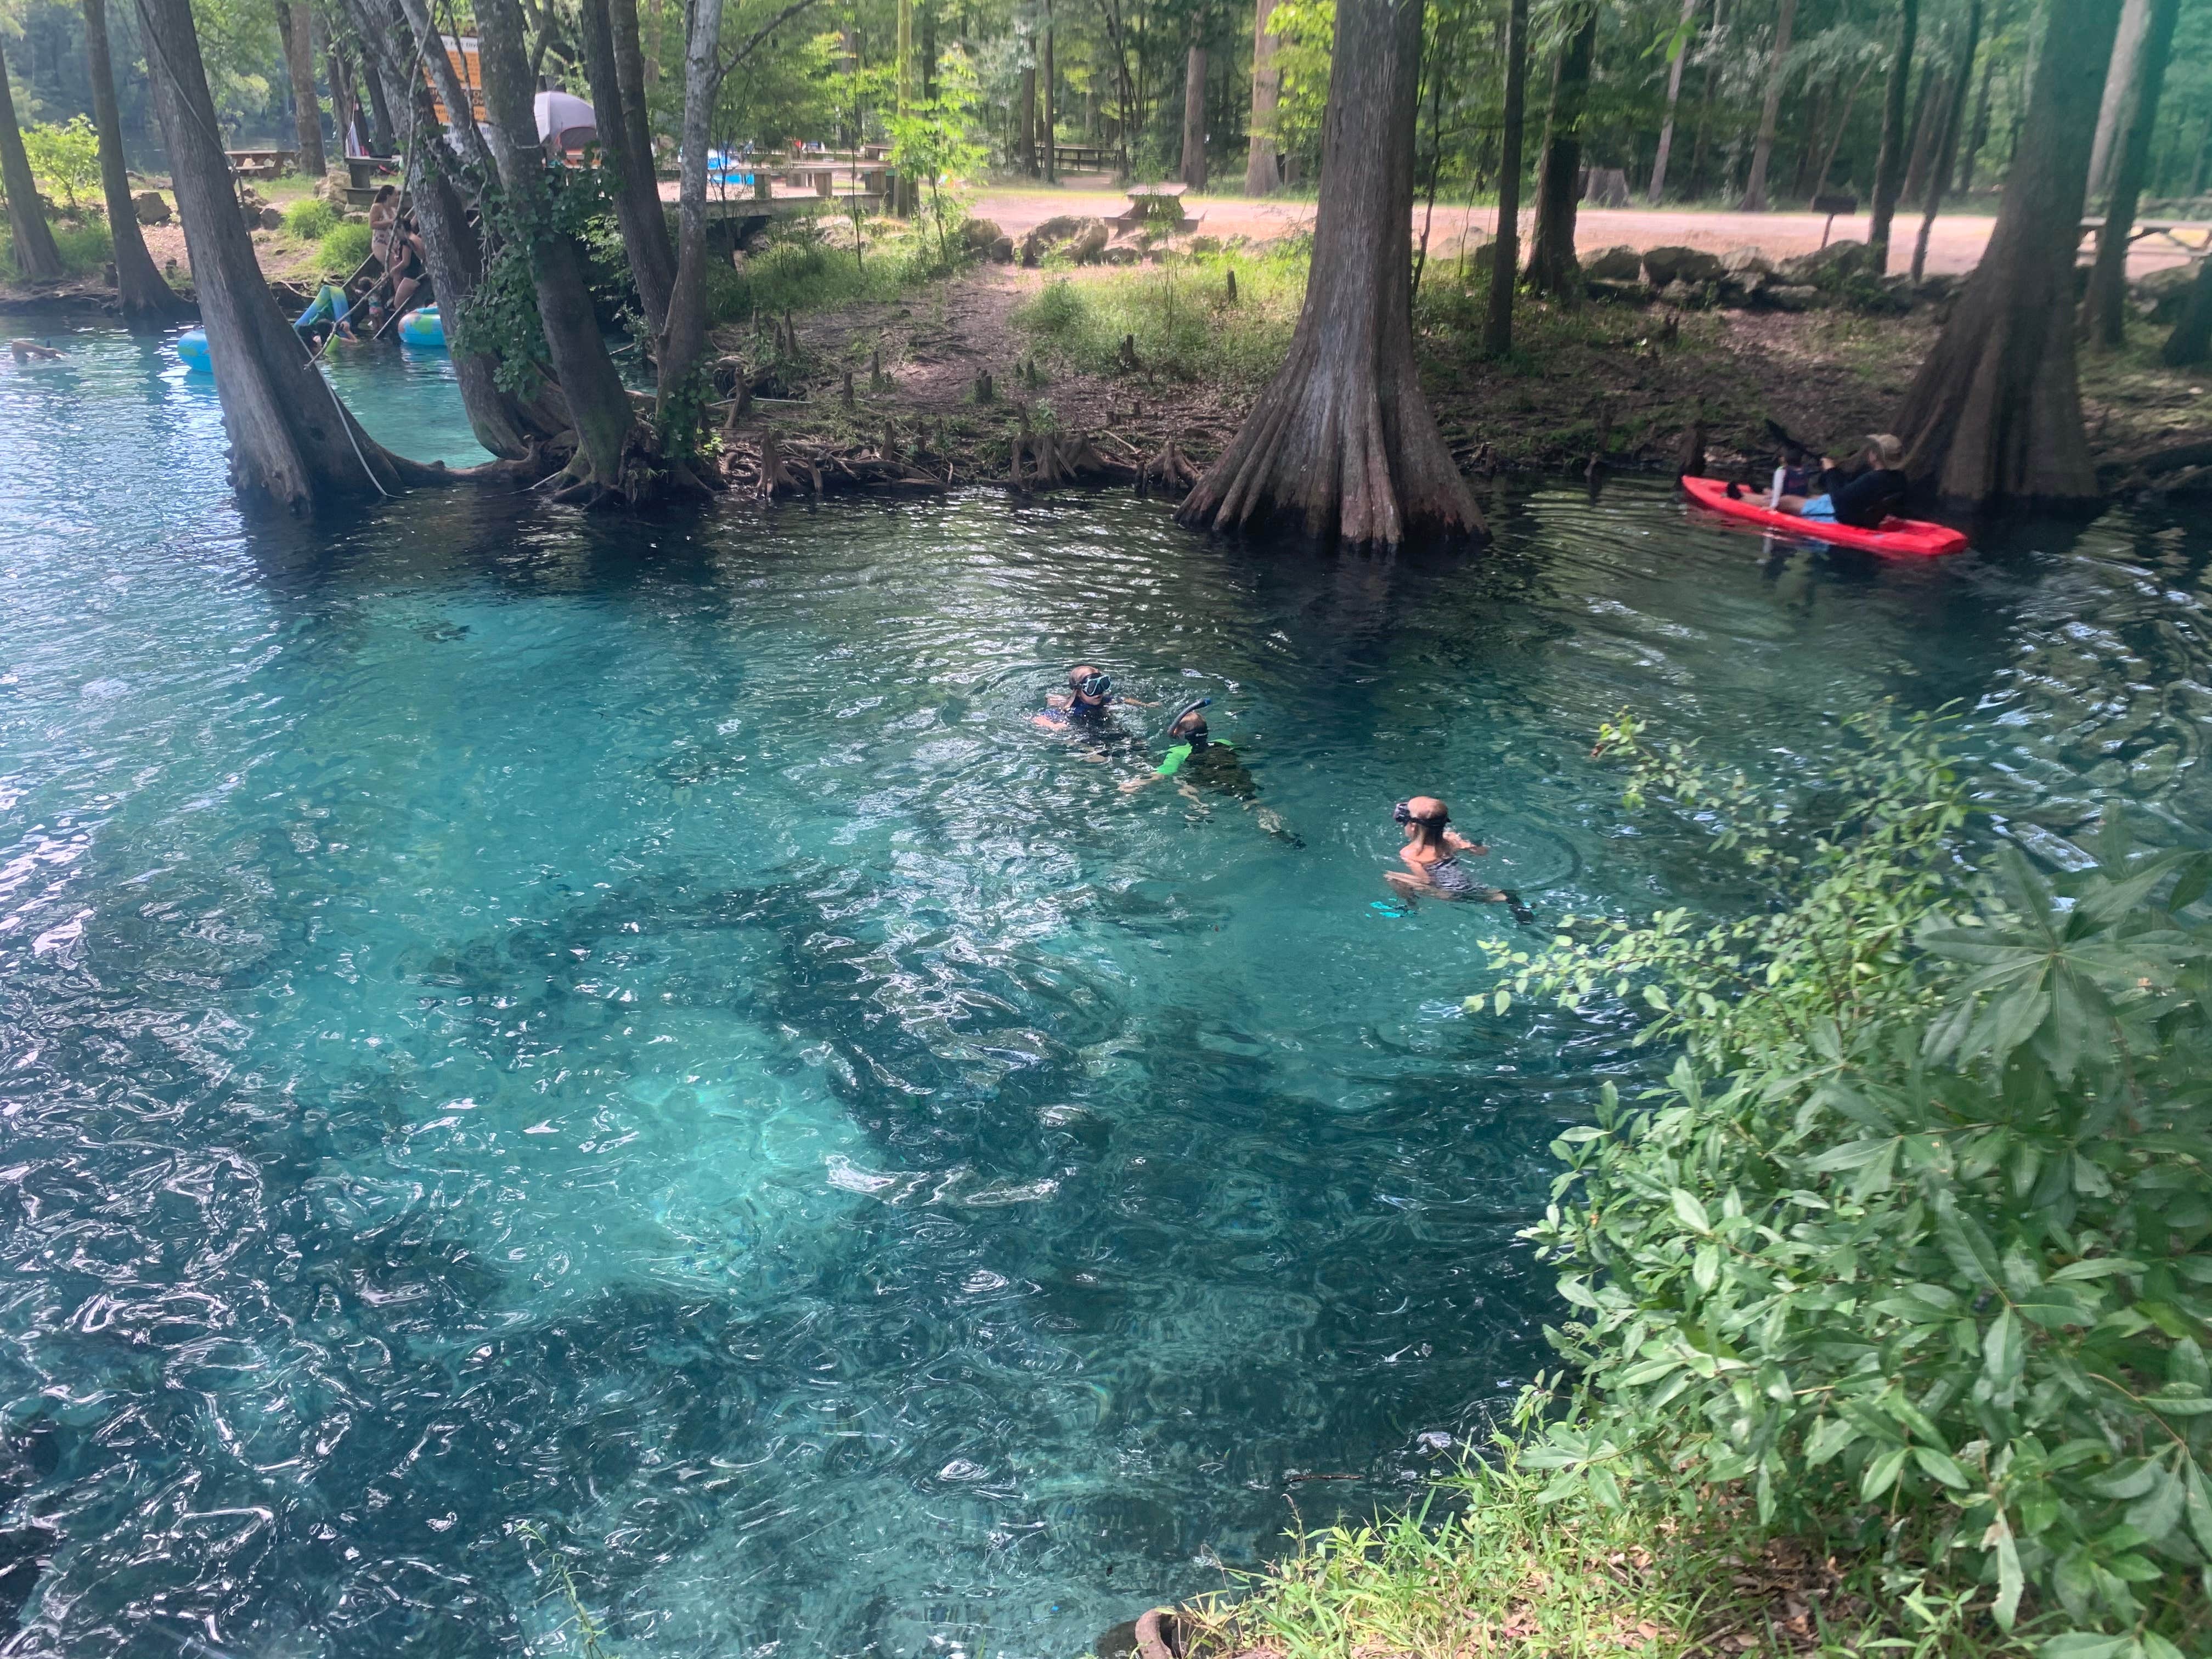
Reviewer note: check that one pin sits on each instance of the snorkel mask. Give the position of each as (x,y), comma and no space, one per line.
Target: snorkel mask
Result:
(1196,737)
(1403,813)
(1093,687)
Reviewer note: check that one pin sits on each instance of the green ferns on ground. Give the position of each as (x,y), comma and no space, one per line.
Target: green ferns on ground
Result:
(1910,1251)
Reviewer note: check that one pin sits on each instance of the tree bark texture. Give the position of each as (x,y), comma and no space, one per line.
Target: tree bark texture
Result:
(636,189)
(1954,116)
(1674,98)
(1025,122)
(1995,414)
(1926,121)
(1048,117)
(1262,170)
(684,341)
(140,289)
(37,259)
(1889,167)
(1341,443)
(1552,267)
(2103,311)
(295,23)
(382,141)
(460,106)
(2119,93)
(1981,131)
(593,389)
(343,114)
(637,122)
(1505,251)
(1194,119)
(293,443)
(1762,153)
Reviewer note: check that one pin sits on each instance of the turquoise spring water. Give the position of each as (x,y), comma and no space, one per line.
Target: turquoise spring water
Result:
(621,1025)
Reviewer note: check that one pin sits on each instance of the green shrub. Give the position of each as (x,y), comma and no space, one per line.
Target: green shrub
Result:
(344,246)
(1179,315)
(1911,1250)
(83,247)
(310,219)
(64,158)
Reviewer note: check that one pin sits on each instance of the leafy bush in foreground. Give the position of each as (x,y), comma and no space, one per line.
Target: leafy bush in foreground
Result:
(310,219)
(1911,1251)
(343,247)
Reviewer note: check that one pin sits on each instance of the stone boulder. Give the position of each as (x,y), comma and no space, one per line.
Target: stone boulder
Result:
(1831,264)
(151,207)
(1615,265)
(1663,266)
(2161,296)
(1620,293)
(1789,296)
(1087,247)
(272,218)
(980,235)
(1747,261)
(1001,252)
(1070,228)
(1687,296)
(1123,253)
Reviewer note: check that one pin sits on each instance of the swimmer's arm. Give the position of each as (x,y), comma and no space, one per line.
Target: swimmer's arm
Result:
(1460,843)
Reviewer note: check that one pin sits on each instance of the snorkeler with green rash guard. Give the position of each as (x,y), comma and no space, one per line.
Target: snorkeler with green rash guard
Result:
(1197,761)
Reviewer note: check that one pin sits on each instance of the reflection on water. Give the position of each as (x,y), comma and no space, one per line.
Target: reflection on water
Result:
(620,1024)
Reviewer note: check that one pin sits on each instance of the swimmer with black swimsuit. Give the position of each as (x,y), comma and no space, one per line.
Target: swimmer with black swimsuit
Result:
(1430,855)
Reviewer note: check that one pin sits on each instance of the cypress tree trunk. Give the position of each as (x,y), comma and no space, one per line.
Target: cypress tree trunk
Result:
(597,401)
(1025,122)
(381,139)
(1261,168)
(295,23)
(1341,443)
(1505,251)
(636,191)
(1194,117)
(1953,116)
(637,124)
(2120,91)
(1754,192)
(1995,413)
(140,287)
(1552,267)
(1889,169)
(2190,343)
(1981,132)
(684,340)
(459,109)
(293,443)
(2103,311)
(1674,97)
(36,256)
(1925,136)
(1049,116)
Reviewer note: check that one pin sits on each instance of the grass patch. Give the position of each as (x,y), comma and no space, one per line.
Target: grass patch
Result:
(343,247)
(802,269)
(84,247)
(310,219)
(1501,1571)
(1179,316)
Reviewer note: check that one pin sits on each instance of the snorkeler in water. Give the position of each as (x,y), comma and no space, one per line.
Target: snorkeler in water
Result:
(1089,696)
(34,350)
(1431,854)
(1196,760)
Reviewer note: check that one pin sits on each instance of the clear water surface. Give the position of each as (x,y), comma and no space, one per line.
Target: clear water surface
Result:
(508,1016)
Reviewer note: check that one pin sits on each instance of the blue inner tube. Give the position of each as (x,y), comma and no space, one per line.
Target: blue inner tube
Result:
(192,349)
(422,327)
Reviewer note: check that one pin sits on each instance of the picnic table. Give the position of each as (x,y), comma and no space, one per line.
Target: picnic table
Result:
(361,175)
(261,163)
(2167,230)
(1153,204)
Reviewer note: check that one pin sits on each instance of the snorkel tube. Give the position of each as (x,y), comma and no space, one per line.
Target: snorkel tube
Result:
(1188,708)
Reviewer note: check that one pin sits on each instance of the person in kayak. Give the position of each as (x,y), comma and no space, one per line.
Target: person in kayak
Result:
(1863,501)
(1430,855)
(1089,695)
(1197,761)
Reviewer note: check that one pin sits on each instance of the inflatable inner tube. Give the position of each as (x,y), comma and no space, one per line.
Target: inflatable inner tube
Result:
(422,327)
(193,351)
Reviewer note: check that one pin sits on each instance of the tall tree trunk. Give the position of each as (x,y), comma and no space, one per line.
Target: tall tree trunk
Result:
(1505,251)
(140,289)
(2119,83)
(1889,168)
(1049,118)
(2190,343)
(1025,122)
(342,109)
(1995,413)
(597,401)
(1754,192)
(1194,119)
(382,141)
(295,23)
(684,343)
(1674,97)
(292,442)
(636,191)
(460,106)
(1981,132)
(1341,443)
(636,113)
(1552,267)
(1261,168)
(905,198)
(37,259)
(1952,117)
(929,50)
(2103,311)
(1843,125)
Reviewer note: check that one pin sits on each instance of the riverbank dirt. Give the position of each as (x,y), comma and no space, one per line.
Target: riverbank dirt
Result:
(1596,386)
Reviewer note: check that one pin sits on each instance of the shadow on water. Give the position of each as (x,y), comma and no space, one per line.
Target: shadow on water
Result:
(507,1015)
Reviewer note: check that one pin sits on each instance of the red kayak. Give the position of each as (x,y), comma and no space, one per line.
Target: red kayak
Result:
(1911,536)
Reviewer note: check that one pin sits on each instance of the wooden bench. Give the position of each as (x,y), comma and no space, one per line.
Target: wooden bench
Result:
(2167,230)
(262,163)
(362,172)
(1085,158)
(1151,204)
